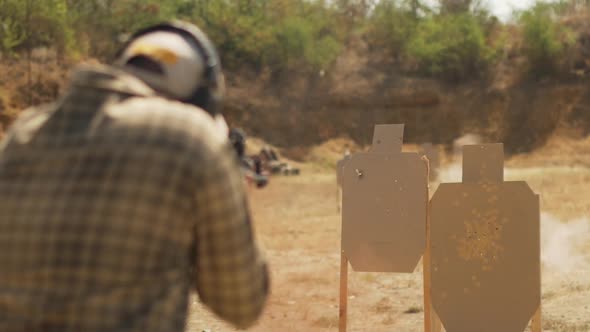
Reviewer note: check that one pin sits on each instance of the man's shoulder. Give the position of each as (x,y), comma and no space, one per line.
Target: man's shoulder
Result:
(160,116)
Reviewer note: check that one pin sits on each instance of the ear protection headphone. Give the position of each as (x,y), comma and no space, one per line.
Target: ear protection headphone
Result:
(209,94)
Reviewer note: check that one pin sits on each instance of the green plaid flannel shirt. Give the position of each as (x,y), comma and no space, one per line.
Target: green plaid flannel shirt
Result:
(114,205)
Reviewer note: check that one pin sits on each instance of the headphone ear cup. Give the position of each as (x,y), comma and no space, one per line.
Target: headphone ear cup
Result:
(201,98)
(216,91)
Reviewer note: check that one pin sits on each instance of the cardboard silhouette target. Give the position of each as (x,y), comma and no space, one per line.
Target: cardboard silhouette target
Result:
(485,248)
(384,199)
(384,206)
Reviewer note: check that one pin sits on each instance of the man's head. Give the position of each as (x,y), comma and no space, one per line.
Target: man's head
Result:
(178,61)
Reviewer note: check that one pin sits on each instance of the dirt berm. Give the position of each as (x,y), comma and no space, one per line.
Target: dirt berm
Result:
(301,109)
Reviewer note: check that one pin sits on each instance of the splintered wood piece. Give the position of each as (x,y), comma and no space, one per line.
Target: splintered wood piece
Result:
(339,169)
(388,138)
(433,154)
(537,321)
(485,244)
(426,263)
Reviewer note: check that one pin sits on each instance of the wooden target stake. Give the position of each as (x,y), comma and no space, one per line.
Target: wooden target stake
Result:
(343,311)
(536,323)
(342,315)
(431,321)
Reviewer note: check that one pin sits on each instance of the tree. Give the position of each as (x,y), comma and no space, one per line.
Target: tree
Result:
(452,47)
(455,6)
(544,39)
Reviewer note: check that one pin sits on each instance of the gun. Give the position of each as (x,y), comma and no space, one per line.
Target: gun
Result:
(251,166)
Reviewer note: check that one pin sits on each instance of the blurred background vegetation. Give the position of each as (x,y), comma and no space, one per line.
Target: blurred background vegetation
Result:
(452,39)
(301,72)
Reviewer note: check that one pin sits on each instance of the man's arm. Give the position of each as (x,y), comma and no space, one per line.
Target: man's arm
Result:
(231,275)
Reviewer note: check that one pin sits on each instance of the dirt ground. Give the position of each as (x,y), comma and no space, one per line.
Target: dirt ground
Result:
(297,221)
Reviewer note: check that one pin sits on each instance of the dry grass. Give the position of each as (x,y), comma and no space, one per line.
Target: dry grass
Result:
(327,154)
(558,325)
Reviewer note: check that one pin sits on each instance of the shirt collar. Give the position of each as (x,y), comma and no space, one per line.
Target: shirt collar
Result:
(109,78)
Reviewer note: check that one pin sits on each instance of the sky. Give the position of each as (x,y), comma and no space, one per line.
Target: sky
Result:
(503,8)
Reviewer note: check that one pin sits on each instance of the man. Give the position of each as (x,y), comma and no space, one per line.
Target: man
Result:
(119,198)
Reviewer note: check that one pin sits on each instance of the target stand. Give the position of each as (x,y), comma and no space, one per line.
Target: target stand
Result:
(485,246)
(384,212)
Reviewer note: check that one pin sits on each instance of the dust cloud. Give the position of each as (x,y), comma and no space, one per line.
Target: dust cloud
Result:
(562,243)
(451,173)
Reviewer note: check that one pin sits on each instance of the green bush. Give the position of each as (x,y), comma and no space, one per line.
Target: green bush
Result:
(278,34)
(281,34)
(306,35)
(299,43)
(451,46)
(29,24)
(391,26)
(544,40)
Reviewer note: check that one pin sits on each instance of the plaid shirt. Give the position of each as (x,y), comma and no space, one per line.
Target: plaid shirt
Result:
(114,204)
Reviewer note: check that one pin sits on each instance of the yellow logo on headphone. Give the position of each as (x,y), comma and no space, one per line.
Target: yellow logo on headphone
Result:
(154,52)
